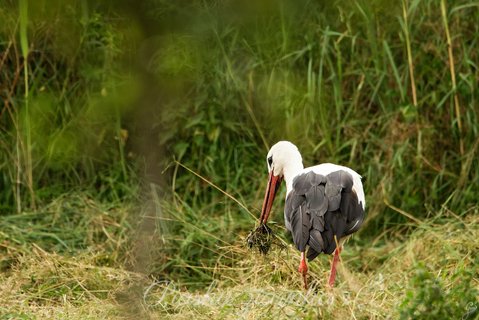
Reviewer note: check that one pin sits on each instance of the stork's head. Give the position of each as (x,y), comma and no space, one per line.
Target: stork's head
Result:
(281,159)
(281,156)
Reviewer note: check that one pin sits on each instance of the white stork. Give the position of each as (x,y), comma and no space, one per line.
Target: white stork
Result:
(324,203)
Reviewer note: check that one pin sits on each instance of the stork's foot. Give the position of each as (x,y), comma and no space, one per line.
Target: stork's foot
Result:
(303,269)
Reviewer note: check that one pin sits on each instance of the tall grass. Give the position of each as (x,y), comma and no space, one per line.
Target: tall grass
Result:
(350,90)
(61,107)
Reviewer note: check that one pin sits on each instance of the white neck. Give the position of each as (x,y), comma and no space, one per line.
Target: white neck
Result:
(290,171)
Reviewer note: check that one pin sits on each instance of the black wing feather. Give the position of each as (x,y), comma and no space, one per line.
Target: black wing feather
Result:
(321,207)
(300,226)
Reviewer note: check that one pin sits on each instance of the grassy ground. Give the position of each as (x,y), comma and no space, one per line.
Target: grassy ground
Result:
(132,144)
(429,273)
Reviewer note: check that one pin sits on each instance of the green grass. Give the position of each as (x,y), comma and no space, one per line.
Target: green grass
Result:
(133,140)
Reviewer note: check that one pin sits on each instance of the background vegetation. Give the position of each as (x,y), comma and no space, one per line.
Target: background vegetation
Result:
(127,127)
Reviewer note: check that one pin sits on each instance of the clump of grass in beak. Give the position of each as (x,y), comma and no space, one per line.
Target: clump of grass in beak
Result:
(262,238)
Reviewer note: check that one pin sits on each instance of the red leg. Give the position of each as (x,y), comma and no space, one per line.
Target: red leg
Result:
(303,269)
(332,276)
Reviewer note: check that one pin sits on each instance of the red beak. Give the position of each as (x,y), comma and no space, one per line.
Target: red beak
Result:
(273,185)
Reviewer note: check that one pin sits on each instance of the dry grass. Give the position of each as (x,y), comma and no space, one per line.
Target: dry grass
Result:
(372,280)
(48,285)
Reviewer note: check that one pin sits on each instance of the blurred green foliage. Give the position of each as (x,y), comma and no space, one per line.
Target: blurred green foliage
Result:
(213,84)
(429,299)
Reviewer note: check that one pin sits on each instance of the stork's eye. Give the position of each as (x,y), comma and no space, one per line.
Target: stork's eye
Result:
(270,161)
